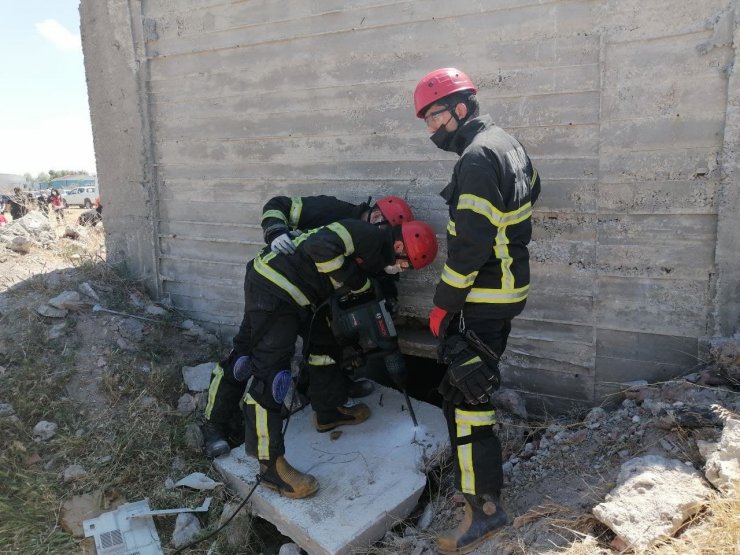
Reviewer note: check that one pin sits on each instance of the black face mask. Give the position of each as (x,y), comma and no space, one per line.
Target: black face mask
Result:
(443,138)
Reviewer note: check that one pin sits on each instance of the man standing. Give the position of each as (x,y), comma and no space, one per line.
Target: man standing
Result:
(284,294)
(484,284)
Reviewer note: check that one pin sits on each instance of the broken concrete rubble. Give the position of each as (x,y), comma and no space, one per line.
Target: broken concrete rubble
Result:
(370,477)
(653,498)
(722,468)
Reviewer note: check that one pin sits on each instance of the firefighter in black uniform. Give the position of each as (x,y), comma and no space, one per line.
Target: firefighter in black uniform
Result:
(282,219)
(283,291)
(484,284)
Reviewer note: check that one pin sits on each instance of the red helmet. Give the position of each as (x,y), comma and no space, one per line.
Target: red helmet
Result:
(395,210)
(438,84)
(420,243)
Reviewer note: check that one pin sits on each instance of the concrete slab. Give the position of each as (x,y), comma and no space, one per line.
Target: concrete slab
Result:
(370,477)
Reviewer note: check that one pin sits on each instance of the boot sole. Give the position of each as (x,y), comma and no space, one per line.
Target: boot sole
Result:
(289,494)
(471,546)
(321,428)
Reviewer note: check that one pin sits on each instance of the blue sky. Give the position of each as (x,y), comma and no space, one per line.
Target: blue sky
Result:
(44,114)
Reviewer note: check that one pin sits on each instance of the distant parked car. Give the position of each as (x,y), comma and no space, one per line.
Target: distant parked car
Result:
(80,196)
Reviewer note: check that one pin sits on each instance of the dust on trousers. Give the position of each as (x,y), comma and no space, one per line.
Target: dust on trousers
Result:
(275,323)
(476,448)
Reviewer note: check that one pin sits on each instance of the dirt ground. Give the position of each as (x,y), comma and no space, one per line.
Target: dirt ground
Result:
(111,382)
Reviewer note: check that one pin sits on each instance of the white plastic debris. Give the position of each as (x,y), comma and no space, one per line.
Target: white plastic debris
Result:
(198,480)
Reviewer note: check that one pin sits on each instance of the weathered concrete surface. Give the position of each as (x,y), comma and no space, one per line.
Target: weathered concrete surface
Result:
(654,496)
(630,110)
(370,477)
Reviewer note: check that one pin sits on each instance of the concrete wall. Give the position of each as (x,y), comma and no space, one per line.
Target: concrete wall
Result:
(204,109)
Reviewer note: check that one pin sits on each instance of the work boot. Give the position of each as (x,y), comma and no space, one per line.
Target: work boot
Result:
(215,439)
(341,416)
(359,388)
(286,480)
(483,517)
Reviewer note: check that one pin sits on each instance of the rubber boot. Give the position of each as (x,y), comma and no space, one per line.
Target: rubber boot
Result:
(341,416)
(215,439)
(359,388)
(483,517)
(286,480)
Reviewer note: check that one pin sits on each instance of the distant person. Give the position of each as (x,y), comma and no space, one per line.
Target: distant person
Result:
(57,205)
(92,217)
(18,207)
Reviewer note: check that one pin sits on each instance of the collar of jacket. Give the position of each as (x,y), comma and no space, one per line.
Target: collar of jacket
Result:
(463,138)
(468,131)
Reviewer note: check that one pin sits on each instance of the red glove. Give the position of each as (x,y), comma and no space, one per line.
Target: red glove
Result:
(436,317)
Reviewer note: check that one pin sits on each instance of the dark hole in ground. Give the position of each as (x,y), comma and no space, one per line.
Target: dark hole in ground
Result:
(424,375)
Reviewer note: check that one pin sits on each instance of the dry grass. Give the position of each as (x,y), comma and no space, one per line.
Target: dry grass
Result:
(123,443)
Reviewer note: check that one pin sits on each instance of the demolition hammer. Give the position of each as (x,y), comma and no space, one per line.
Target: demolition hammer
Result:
(364,320)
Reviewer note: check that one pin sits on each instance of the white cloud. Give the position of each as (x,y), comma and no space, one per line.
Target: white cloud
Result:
(59,35)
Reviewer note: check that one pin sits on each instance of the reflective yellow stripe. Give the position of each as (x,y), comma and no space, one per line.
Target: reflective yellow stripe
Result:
(451,228)
(481,206)
(464,423)
(455,279)
(344,235)
(475,418)
(501,249)
(363,288)
(321,360)
(218,374)
(465,459)
(263,432)
(534,177)
(296,206)
(274,214)
(330,265)
(471,361)
(303,236)
(336,284)
(485,295)
(280,280)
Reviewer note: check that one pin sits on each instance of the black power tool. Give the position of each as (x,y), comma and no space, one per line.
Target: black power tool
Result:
(364,320)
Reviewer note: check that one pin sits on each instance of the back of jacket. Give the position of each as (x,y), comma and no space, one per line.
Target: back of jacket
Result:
(342,253)
(490,198)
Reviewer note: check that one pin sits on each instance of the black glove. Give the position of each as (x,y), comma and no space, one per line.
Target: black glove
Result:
(449,392)
(472,370)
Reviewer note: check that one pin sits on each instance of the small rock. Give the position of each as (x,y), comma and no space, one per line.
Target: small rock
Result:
(131,329)
(509,400)
(51,312)
(138,299)
(2,370)
(425,520)
(198,378)
(187,527)
(178,463)
(74,472)
(290,549)
(596,414)
(125,345)
(6,409)
(187,325)
(101,362)
(186,404)
(56,331)
(71,233)
(65,300)
(193,436)
(155,310)
(21,245)
(86,289)
(44,431)
(147,401)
